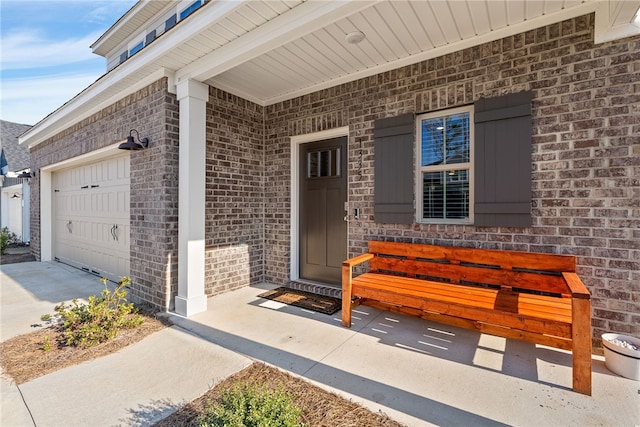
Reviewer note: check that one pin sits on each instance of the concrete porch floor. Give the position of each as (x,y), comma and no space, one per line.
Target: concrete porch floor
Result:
(418,372)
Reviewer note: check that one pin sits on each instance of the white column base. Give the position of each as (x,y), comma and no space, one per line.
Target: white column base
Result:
(189,306)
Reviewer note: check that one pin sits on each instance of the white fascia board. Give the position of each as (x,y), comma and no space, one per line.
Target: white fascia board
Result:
(84,104)
(299,21)
(609,12)
(98,46)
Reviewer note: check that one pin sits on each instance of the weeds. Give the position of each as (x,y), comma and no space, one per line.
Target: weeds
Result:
(47,345)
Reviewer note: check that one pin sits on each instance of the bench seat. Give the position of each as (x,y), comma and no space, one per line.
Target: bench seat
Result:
(536,313)
(532,297)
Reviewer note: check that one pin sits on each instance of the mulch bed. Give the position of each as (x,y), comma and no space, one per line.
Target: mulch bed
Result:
(23,358)
(308,300)
(10,258)
(319,407)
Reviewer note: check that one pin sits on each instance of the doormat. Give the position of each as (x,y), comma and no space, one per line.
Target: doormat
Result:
(302,299)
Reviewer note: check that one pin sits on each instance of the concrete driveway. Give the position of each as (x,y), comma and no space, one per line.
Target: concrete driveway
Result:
(31,289)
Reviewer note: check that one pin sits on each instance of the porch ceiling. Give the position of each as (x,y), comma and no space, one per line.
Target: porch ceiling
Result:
(273,50)
(399,32)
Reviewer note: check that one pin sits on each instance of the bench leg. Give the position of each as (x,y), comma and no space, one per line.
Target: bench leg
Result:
(346,312)
(581,352)
(347,276)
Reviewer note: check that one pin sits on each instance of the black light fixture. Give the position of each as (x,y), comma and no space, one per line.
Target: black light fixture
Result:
(131,144)
(16,196)
(25,175)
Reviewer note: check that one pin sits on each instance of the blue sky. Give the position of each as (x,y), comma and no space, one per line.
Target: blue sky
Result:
(45,55)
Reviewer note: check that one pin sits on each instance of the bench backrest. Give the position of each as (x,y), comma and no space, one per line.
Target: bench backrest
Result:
(521,271)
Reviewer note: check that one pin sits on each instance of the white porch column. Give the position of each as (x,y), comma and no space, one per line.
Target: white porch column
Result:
(193,97)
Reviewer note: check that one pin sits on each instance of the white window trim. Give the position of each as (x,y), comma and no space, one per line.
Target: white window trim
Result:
(419,169)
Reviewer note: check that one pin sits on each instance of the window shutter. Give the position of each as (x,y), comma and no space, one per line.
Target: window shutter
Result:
(503,161)
(394,170)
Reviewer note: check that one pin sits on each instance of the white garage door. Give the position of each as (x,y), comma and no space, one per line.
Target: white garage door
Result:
(91,217)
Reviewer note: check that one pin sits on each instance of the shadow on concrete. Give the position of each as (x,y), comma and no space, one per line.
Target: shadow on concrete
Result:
(409,403)
(510,357)
(52,281)
(148,414)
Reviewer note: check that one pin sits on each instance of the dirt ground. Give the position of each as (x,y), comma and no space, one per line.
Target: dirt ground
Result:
(15,254)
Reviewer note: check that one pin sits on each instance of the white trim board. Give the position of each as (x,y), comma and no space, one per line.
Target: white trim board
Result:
(296,142)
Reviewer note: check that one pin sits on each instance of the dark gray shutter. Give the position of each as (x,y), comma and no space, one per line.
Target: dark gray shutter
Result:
(503,161)
(394,166)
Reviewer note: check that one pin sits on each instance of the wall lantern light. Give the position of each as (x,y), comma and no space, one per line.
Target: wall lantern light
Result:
(131,144)
(16,196)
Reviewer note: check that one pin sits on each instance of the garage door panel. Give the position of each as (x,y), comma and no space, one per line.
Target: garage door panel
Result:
(91,216)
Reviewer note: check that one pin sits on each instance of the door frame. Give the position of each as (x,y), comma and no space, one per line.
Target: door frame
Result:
(296,142)
(46,193)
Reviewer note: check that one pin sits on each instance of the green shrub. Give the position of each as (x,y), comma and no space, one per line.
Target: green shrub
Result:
(251,406)
(5,239)
(101,319)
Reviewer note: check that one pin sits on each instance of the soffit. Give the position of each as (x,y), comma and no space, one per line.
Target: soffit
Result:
(397,33)
(130,23)
(270,51)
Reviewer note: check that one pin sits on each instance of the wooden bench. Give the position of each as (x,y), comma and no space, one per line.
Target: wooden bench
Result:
(526,296)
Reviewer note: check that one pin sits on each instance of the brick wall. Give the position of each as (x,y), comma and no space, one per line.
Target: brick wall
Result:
(154,199)
(154,186)
(586,153)
(234,223)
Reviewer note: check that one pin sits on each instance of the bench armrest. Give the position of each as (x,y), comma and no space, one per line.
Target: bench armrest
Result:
(357,260)
(347,278)
(578,289)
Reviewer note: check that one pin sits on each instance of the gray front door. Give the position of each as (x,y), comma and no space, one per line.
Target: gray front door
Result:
(323,194)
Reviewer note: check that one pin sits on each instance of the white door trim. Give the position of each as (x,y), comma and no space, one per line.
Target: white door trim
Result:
(46,194)
(296,142)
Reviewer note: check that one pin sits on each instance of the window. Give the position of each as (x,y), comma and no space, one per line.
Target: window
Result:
(169,23)
(137,48)
(469,165)
(151,36)
(445,166)
(188,11)
(322,164)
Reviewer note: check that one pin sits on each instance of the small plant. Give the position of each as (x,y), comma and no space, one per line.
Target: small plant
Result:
(5,239)
(47,345)
(100,320)
(252,406)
